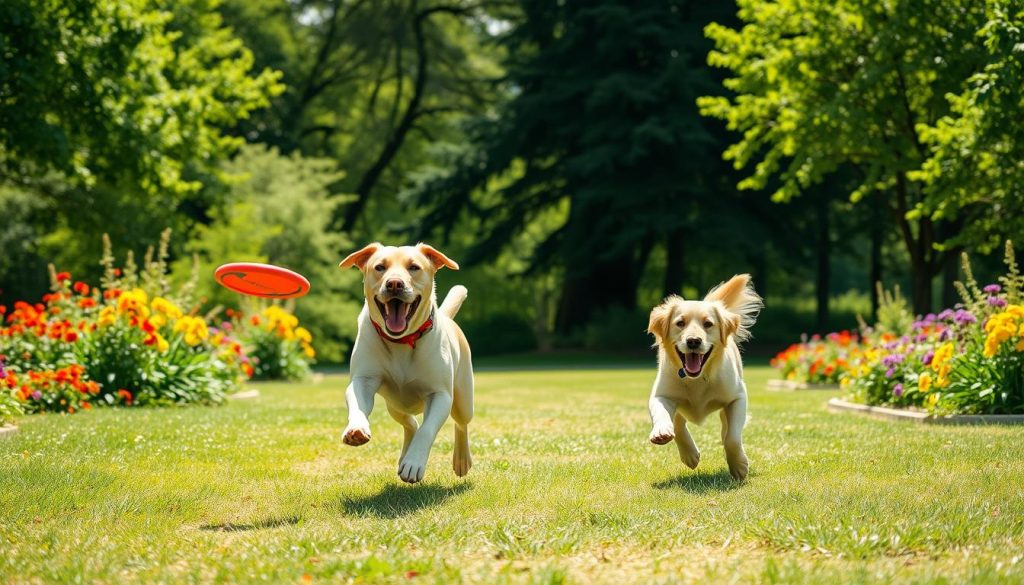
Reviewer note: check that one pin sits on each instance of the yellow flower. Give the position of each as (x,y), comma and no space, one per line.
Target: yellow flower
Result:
(134,301)
(932,400)
(942,355)
(161,344)
(303,334)
(167,308)
(924,383)
(193,328)
(308,350)
(107,317)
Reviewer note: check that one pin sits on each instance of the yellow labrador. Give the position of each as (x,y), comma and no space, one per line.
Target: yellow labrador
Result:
(700,370)
(412,352)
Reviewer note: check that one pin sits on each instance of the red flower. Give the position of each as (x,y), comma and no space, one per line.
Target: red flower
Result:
(255,320)
(125,395)
(71,337)
(86,303)
(62,276)
(117,272)
(81,288)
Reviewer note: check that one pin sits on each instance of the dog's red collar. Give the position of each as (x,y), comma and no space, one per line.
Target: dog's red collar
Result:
(410,339)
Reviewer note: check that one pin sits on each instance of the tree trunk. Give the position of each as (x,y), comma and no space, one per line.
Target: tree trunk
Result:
(824,266)
(674,268)
(592,288)
(875,262)
(920,288)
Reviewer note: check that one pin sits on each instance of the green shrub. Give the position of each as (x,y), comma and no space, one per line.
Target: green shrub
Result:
(498,334)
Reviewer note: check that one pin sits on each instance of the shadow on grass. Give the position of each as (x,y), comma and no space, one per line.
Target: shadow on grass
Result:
(257,525)
(700,482)
(395,500)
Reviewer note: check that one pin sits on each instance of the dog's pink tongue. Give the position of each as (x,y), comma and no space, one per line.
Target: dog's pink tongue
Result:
(396,317)
(692,363)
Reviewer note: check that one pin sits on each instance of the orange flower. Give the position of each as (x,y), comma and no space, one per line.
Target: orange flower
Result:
(81,288)
(255,320)
(86,303)
(125,395)
(62,276)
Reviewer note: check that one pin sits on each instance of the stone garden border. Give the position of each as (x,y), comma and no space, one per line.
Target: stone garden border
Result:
(794,385)
(7,430)
(245,394)
(917,416)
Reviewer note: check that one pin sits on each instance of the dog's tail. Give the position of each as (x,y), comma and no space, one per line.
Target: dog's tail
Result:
(453,300)
(738,296)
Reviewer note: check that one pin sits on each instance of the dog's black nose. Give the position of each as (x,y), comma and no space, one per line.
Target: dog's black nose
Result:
(394,285)
(693,342)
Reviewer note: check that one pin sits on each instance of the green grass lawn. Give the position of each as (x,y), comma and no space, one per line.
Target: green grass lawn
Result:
(565,487)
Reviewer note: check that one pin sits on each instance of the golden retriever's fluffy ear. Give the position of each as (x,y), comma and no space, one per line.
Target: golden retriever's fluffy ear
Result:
(730,324)
(438,259)
(359,258)
(660,318)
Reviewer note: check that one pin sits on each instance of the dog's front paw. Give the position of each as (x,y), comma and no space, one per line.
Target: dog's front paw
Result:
(411,470)
(662,435)
(356,436)
(738,465)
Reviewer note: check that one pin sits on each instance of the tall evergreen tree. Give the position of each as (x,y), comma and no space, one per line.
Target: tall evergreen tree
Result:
(603,123)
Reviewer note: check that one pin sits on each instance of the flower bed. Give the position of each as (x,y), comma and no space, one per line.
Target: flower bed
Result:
(968,359)
(133,341)
(818,361)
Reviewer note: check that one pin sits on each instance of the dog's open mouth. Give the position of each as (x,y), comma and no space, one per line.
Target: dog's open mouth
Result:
(397,313)
(693,362)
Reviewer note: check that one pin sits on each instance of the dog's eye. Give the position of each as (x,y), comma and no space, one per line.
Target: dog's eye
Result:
(708,324)
(413,267)
(380,268)
(681,323)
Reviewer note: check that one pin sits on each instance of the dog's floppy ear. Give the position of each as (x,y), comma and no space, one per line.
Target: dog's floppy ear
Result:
(438,259)
(659,323)
(729,323)
(361,257)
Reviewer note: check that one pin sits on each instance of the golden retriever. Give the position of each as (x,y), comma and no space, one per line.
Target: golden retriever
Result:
(412,352)
(700,370)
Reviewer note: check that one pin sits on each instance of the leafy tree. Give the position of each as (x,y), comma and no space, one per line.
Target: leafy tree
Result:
(370,83)
(822,86)
(279,210)
(113,118)
(602,124)
(129,93)
(976,149)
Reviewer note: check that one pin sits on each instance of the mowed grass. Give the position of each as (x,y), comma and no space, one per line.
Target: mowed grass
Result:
(565,488)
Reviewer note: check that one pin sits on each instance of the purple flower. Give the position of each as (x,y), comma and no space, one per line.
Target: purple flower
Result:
(992,289)
(926,359)
(921,337)
(889,373)
(945,335)
(946,315)
(996,302)
(37,395)
(892,359)
(963,317)
(891,345)
(897,390)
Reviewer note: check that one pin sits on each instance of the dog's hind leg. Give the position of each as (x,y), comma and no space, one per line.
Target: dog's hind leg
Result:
(462,413)
(689,454)
(409,425)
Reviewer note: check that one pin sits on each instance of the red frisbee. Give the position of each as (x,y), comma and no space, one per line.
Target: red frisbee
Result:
(262,280)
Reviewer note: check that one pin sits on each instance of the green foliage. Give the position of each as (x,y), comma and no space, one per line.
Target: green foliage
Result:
(976,148)
(894,314)
(600,124)
(128,93)
(822,88)
(278,211)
